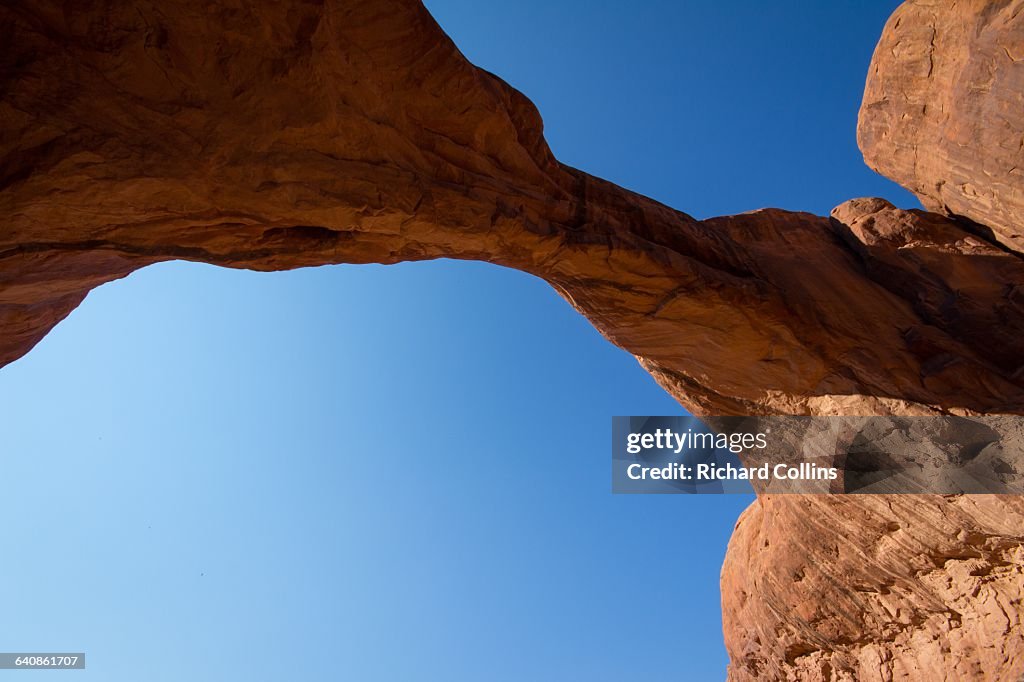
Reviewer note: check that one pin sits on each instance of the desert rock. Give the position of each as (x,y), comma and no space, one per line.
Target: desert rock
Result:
(280,135)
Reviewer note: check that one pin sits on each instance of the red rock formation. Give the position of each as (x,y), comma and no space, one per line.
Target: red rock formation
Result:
(280,135)
(910,588)
(944,106)
(876,587)
(356,132)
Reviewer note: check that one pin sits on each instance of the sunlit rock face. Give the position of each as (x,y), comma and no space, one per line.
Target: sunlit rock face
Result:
(279,135)
(943,110)
(876,587)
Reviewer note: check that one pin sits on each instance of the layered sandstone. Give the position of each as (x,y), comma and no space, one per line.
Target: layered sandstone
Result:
(876,587)
(280,135)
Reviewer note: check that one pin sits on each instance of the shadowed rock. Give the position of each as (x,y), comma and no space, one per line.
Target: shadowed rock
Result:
(272,137)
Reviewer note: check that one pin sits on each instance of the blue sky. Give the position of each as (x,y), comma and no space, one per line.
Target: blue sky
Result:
(396,473)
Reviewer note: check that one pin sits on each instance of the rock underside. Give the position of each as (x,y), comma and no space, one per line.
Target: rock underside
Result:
(280,135)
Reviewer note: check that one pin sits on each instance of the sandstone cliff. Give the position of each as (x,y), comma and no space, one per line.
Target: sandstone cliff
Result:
(281,135)
(908,588)
(942,110)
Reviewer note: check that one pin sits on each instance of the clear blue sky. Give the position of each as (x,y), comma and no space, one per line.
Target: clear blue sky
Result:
(402,473)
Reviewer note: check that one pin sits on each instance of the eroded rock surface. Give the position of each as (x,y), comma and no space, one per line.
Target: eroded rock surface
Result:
(281,135)
(876,587)
(275,137)
(943,110)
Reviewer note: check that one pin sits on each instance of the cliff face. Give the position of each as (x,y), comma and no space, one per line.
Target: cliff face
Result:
(900,587)
(876,587)
(942,110)
(281,135)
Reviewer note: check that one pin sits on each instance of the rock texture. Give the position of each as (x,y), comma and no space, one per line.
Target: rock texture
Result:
(943,110)
(275,136)
(897,587)
(876,587)
(279,135)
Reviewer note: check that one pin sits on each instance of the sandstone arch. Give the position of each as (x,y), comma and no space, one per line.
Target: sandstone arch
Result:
(273,136)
